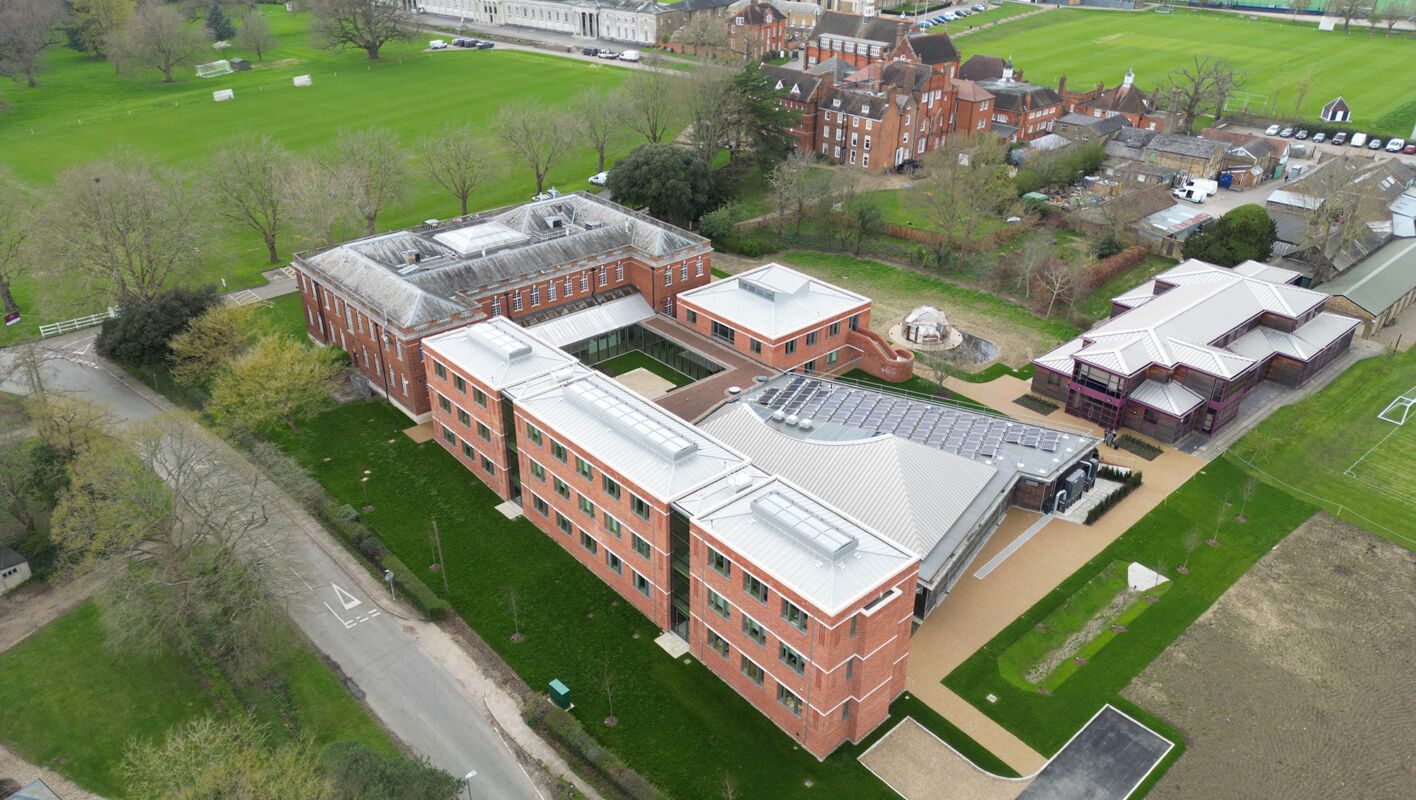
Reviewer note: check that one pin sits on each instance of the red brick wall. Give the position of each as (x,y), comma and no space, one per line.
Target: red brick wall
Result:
(896,368)
(774,351)
(466,432)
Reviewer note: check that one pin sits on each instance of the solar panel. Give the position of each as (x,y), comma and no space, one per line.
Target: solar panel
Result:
(988,450)
(1013,436)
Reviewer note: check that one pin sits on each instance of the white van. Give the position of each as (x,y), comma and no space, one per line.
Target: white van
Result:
(629,55)
(1197,190)
(1358,139)
(437,44)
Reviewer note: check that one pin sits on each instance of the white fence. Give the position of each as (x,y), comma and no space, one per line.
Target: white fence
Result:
(78,323)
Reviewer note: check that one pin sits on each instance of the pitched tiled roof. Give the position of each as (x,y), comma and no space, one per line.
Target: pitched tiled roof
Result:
(1020,96)
(856,102)
(1125,99)
(933,48)
(1189,146)
(971,92)
(1098,125)
(794,84)
(854,26)
(982,68)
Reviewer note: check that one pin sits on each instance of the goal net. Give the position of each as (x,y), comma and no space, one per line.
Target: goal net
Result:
(1397,411)
(213,69)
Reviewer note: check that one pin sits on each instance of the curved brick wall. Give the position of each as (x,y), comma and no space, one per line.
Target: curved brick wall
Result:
(879,359)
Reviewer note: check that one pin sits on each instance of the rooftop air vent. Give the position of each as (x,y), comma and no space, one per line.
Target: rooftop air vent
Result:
(791,420)
(779,415)
(804,424)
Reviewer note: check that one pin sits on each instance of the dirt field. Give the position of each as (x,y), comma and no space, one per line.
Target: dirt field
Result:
(1298,683)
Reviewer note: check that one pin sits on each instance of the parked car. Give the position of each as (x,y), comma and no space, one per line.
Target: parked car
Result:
(1286,132)
(1300,135)
(980,7)
(437,44)
(1359,139)
(609,54)
(1409,149)
(1395,144)
(1319,137)
(589,51)
(485,45)
(1374,144)
(950,16)
(464,42)
(909,165)
(629,55)
(926,25)
(599,178)
(1339,138)
(1272,130)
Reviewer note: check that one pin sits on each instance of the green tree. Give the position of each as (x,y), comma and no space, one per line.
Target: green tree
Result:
(211,342)
(219,22)
(365,25)
(674,183)
(139,336)
(1244,233)
(94,24)
(765,123)
(276,380)
(358,773)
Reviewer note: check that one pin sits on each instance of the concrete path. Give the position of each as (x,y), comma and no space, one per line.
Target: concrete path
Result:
(416,679)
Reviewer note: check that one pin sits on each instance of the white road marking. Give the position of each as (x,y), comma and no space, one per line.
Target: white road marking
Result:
(345,598)
(346,623)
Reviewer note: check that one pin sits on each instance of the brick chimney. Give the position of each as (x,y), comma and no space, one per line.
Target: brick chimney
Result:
(1061,84)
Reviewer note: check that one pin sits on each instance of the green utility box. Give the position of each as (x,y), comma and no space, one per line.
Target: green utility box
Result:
(560,694)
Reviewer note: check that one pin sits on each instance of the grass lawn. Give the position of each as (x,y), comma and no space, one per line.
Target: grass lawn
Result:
(283,315)
(639,359)
(82,111)
(68,704)
(1097,304)
(1311,446)
(1046,722)
(679,725)
(1090,46)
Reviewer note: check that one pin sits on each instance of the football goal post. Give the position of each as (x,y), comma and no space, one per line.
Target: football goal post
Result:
(213,69)
(1397,411)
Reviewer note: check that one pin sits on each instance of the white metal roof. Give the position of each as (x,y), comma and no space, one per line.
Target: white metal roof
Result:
(497,352)
(632,436)
(1060,359)
(825,556)
(1303,343)
(1171,397)
(772,301)
(578,326)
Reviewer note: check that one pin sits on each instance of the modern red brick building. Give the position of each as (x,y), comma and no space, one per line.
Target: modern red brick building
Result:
(805,612)
(1181,352)
(378,297)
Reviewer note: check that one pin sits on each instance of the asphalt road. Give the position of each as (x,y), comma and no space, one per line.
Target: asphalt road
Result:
(411,694)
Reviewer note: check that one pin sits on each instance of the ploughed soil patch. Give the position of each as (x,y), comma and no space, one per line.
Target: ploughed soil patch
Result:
(1299,682)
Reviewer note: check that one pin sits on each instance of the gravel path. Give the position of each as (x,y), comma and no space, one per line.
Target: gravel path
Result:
(12,766)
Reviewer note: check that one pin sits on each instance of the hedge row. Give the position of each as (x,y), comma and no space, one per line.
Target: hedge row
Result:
(1107,268)
(345,521)
(567,732)
(1129,482)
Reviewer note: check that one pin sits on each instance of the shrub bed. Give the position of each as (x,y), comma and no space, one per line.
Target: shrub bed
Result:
(1111,266)
(1140,447)
(1129,481)
(1040,405)
(345,522)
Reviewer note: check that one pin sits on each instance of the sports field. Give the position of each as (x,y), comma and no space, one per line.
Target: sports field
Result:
(82,111)
(1332,450)
(1092,46)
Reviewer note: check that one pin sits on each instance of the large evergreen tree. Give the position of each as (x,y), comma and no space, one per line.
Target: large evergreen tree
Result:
(219,23)
(1245,233)
(674,183)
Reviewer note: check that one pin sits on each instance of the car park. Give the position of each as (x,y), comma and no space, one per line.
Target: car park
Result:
(1340,137)
(1300,135)
(1395,144)
(1319,137)
(599,178)
(1286,132)
(1374,144)
(1272,130)
(589,51)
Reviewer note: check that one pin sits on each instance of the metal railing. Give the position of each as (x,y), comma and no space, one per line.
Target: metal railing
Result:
(78,323)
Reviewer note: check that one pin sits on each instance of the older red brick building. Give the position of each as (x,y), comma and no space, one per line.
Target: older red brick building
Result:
(858,40)
(757,31)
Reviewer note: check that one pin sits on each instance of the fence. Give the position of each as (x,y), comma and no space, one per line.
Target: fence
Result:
(78,323)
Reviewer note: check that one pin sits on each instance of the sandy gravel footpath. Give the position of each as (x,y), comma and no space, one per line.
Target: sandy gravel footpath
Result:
(12,766)
(917,765)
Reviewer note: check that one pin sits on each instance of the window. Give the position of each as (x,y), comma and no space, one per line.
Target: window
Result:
(468,451)
(538,471)
(479,396)
(459,384)
(691,317)
(794,615)
(533,434)
(865,160)
(535,295)
(845,711)
(641,583)
(753,631)
(850,669)
(834,330)
(582,468)
(792,659)
(516,302)
(641,547)
(584,281)
(488,467)
(683,271)
(586,507)
(722,332)
(540,505)
(719,563)
(449,436)
(551,292)
(753,672)
(669,276)
(853,626)
(439,370)
(563,523)
(604,276)
(619,272)
(589,543)
(562,489)
(790,347)
(720,605)
(612,489)
(496,306)
(613,526)
(791,701)
(811,339)
(698,267)
(754,346)
(616,566)
(444,404)
(718,643)
(558,450)
(754,587)
(639,507)
(484,433)
(1150,416)
(831,356)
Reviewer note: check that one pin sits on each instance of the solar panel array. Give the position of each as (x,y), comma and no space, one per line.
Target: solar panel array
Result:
(947,428)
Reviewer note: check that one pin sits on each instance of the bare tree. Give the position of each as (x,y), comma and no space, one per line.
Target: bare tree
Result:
(157,37)
(1339,212)
(125,225)
(365,25)
(27,29)
(715,111)
(456,160)
(14,231)
(1246,493)
(1205,83)
(599,121)
(1191,542)
(607,683)
(70,423)
(513,602)
(705,34)
(1300,91)
(1219,517)
(255,36)
(250,184)
(796,183)
(1060,280)
(322,203)
(729,787)
(1350,9)
(965,181)
(375,167)
(1036,250)
(538,135)
(1299,7)
(1390,14)
(651,95)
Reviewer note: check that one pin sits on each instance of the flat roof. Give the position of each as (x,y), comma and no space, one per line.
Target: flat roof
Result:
(773,301)
(497,352)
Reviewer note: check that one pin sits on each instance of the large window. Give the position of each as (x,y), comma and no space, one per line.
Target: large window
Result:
(753,672)
(720,563)
(722,332)
(754,587)
(792,659)
(719,604)
(794,615)
(791,701)
(1100,380)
